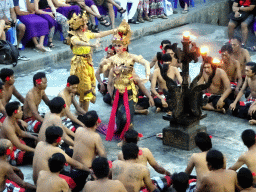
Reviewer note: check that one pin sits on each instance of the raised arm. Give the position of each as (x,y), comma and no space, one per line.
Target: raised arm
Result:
(153,62)
(105,33)
(141,60)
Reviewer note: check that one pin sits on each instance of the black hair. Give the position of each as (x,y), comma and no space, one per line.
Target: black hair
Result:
(239,39)
(100,167)
(56,105)
(89,119)
(248,137)
(73,80)
(180,181)
(131,136)
(245,178)
(52,133)
(11,107)
(166,58)
(5,72)
(165,42)
(227,48)
(1,85)
(215,159)
(203,141)
(253,65)
(3,147)
(174,48)
(130,151)
(56,162)
(209,60)
(113,48)
(38,75)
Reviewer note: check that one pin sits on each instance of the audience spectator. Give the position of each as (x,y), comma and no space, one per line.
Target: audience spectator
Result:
(184,5)
(143,8)
(35,25)
(46,9)
(2,32)
(66,9)
(156,9)
(245,180)
(128,16)
(243,15)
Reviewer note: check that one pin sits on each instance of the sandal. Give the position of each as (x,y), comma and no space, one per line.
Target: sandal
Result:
(50,44)
(122,10)
(148,19)
(104,22)
(133,21)
(139,19)
(162,16)
(95,29)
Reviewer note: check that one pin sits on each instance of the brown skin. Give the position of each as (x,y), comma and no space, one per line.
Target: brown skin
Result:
(12,131)
(33,99)
(251,189)
(154,60)
(43,152)
(132,175)
(88,145)
(48,181)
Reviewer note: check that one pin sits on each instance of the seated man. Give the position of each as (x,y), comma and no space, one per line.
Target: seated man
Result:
(219,89)
(198,160)
(239,9)
(100,168)
(45,150)
(232,68)
(247,109)
(23,142)
(57,106)
(3,113)
(32,101)
(68,94)
(245,180)
(88,143)
(11,177)
(218,179)
(132,174)
(51,180)
(173,73)
(180,182)
(249,157)
(8,78)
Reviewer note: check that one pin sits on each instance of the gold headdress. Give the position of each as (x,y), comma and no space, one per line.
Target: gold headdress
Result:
(77,20)
(123,34)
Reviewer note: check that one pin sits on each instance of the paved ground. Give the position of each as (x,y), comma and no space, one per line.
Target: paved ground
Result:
(225,129)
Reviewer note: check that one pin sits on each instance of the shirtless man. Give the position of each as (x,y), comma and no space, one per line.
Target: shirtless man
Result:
(23,154)
(45,150)
(172,72)
(249,157)
(8,172)
(51,181)
(245,180)
(180,182)
(100,168)
(88,143)
(218,179)
(219,89)
(32,101)
(249,107)
(3,113)
(240,54)
(232,68)
(198,160)
(68,94)
(57,106)
(7,76)
(132,174)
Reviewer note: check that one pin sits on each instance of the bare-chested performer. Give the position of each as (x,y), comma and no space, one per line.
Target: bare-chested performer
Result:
(245,180)
(172,73)
(219,89)
(88,143)
(232,68)
(249,157)
(247,109)
(68,94)
(32,101)
(57,107)
(132,174)
(7,76)
(198,160)
(45,150)
(100,168)
(218,179)
(3,113)
(8,177)
(23,141)
(50,180)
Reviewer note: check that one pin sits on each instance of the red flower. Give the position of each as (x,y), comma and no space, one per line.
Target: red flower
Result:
(110,164)
(219,51)
(210,136)
(120,34)
(58,140)
(16,111)
(7,78)
(253,174)
(64,105)
(8,151)
(68,84)
(113,48)
(39,81)
(1,90)
(164,52)
(140,152)
(124,49)
(99,120)
(140,135)
(106,49)
(241,103)
(161,47)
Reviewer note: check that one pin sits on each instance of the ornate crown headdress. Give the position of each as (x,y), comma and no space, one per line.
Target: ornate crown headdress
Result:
(77,20)
(123,34)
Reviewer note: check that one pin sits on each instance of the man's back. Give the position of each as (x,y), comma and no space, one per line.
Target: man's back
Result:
(104,186)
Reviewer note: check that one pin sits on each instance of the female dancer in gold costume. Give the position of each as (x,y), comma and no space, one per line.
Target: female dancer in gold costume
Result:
(81,63)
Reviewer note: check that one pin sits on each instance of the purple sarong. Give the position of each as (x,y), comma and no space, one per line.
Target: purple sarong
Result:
(66,11)
(51,21)
(89,3)
(35,27)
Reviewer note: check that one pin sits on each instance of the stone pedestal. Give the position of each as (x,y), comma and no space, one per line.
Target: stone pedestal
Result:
(182,137)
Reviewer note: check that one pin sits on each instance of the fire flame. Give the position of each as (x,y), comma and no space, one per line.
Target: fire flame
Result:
(186,34)
(216,61)
(204,50)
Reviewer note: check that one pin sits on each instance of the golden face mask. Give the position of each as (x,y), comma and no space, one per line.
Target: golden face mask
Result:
(123,34)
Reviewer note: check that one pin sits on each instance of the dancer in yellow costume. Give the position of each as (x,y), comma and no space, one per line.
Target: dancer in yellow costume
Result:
(81,63)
